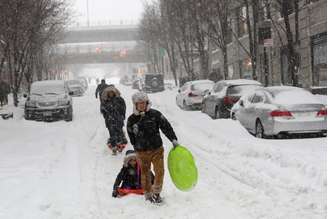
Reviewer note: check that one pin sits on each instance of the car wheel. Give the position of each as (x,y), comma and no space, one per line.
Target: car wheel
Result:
(233,116)
(203,107)
(259,130)
(185,106)
(27,116)
(69,117)
(217,113)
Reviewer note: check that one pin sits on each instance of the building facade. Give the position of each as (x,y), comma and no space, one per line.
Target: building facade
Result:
(311,48)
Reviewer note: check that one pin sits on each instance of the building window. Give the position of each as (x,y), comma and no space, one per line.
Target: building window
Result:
(319,59)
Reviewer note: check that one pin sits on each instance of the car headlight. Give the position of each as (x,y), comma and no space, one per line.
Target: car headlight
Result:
(63,102)
(31,103)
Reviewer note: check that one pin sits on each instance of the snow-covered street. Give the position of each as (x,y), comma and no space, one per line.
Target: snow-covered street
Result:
(64,169)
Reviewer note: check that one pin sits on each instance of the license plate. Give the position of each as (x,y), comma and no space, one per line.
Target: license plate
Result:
(47,113)
(304,114)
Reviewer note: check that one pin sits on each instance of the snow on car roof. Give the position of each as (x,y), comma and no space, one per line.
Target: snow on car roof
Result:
(241,82)
(201,81)
(282,88)
(289,95)
(49,82)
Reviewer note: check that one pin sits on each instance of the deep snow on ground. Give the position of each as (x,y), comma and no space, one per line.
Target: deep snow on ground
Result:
(64,170)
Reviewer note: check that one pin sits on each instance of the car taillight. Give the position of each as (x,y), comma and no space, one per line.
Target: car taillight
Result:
(280,113)
(322,112)
(227,100)
(191,94)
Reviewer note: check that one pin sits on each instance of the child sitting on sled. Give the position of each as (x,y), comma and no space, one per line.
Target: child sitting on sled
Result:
(129,178)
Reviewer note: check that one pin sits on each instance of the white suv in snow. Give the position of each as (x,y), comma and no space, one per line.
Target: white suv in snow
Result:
(49,100)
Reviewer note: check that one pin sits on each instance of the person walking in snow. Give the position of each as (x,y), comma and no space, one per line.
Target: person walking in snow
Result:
(113,108)
(100,88)
(143,128)
(129,178)
(4,91)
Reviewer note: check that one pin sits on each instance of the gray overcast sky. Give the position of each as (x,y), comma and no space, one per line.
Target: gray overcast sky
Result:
(105,10)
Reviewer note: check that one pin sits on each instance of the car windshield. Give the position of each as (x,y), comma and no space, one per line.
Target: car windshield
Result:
(202,86)
(51,89)
(240,90)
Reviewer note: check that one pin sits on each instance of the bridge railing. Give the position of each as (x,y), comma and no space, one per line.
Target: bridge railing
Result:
(103,23)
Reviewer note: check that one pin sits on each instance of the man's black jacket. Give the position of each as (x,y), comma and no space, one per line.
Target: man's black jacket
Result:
(144,129)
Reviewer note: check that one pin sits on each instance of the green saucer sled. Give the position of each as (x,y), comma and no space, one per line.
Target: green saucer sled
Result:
(182,168)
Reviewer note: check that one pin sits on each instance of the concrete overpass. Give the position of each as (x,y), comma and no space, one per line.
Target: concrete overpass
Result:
(101,34)
(101,44)
(104,57)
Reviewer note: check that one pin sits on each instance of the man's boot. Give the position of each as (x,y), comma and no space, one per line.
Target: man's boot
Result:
(155,198)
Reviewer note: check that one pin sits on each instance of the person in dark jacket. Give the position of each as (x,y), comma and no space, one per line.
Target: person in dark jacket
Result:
(113,108)
(129,178)
(4,91)
(100,88)
(143,128)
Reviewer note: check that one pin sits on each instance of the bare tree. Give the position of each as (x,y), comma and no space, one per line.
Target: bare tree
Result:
(285,31)
(149,33)
(167,36)
(217,19)
(27,27)
(184,37)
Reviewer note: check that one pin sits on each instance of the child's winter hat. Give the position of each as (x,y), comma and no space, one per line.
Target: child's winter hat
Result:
(129,155)
(140,97)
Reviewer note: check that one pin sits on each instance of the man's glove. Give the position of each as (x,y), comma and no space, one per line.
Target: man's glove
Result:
(175,143)
(115,194)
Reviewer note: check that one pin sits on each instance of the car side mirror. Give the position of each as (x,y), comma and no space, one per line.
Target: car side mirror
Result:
(25,95)
(242,103)
(70,93)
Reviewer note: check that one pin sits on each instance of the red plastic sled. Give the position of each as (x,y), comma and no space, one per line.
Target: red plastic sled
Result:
(123,192)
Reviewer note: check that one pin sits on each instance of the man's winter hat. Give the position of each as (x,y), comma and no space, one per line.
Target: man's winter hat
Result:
(129,155)
(140,97)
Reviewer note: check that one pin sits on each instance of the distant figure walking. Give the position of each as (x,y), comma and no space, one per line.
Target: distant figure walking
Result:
(4,91)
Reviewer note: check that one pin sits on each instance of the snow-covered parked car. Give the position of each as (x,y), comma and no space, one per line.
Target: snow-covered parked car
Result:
(76,87)
(191,94)
(49,100)
(225,94)
(281,110)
